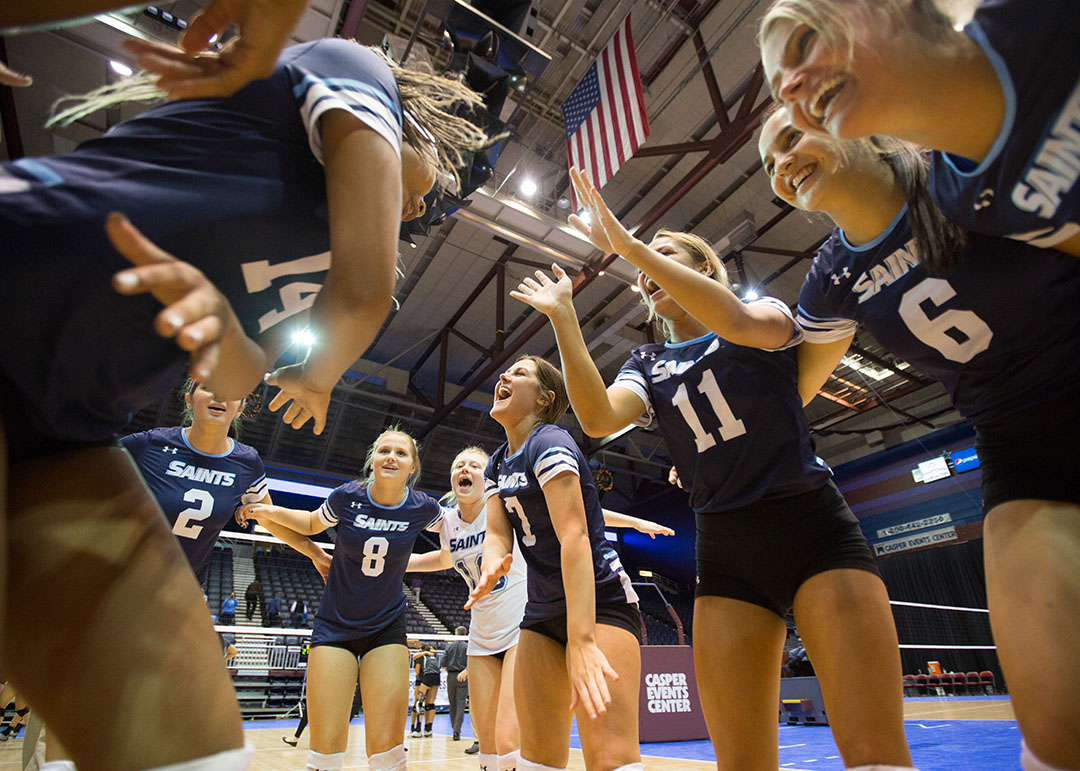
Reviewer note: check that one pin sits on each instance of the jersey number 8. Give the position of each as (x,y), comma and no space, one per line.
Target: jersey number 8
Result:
(375,550)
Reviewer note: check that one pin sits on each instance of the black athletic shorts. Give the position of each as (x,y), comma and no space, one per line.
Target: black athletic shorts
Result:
(1032,454)
(624,615)
(762,553)
(392,634)
(431,679)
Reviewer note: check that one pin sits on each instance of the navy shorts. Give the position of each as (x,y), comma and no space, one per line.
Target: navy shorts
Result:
(392,634)
(623,615)
(1032,454)
(762,553)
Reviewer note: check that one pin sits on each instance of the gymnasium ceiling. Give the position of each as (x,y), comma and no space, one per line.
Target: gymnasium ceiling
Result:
(692,54)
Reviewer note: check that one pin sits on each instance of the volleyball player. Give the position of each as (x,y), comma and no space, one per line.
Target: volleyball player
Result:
(200,475)
(999,100)
(362,613)
(495,619)
(1001,331)
(581,630)
(773,532)
(254,190)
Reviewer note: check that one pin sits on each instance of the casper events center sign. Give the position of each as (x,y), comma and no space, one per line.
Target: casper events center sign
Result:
(668,705)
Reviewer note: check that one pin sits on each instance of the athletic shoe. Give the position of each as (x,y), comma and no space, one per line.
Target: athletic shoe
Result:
(475,748)
(415,733)
(290,741)
(427,734)
(457,737)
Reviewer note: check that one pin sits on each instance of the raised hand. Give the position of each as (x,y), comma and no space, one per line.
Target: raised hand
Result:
(604,231)
(545,295)
(9,77)
(589,672)
(307,403)
(488,579)
(196,315)
(264,27)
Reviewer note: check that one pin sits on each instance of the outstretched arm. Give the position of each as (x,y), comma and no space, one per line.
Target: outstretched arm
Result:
(430,561)
(301,522)
(816,362)
(497,552)
(601,411)
(652,529)
(365,214)
(704,298)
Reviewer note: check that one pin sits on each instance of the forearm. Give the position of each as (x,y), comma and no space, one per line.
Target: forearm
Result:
(584,384)
(301,523)
(708,301)
(496,546)
(345,328)
(579,584)
(290,537)
(428,562)
(617,519)
(241,364)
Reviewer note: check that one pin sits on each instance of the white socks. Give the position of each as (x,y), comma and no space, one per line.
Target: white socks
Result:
(318,761)
(509,761)
(230,760)
(880,767)
(1029,762)
(489,761)
(391,760)
(528,765)
(58,765)
(632,767)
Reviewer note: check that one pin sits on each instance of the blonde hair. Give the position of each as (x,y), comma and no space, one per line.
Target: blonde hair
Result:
(369,473)
(433,106)
(701,252)
(450,498)
(830,19)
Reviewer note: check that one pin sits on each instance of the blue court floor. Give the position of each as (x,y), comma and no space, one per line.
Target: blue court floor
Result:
(936,745)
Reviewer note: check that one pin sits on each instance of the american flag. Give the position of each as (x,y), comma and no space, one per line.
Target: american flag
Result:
(605,113)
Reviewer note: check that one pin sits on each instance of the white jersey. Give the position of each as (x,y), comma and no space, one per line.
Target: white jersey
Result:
(496,619)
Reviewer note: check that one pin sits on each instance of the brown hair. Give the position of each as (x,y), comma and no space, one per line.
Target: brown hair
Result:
(549,381)
(369,474)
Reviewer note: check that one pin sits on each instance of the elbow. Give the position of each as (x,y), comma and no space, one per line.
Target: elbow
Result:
(596,428)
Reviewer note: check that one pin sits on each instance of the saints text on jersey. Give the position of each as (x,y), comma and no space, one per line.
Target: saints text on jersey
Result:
(511,482)
(892,268)
(376,523)
(178,468)
(1056,166)
(662,370)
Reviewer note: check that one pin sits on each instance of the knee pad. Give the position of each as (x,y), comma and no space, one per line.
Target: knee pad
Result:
(391,760)
(528,765)
(230,760)
(489,761)
(509,761)
(429,708)
(318,761)
(1029,761)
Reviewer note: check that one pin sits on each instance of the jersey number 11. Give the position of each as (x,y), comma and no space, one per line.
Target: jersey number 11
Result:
(730,426)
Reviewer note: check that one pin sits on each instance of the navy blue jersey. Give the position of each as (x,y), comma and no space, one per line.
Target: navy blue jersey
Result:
(518,480)
(234,186)
(1026,187)
(198,492)
(1001,331)
(731,417)
(364,591)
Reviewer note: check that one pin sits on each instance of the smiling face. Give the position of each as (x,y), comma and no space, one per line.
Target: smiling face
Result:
(801,167)
(655,297)
(848,81)
(418,171)
(467,475)
(517,394)
(208,410)
(394,458)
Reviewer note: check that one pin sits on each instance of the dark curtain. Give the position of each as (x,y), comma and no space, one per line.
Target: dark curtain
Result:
(945,575)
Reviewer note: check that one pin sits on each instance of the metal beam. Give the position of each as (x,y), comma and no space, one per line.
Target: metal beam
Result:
(710,80)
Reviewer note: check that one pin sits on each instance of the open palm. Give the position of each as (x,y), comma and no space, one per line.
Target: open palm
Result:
(545,295)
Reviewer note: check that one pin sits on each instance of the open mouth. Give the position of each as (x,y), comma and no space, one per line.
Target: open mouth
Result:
(824,97)
(216,409)
(464,484)
(502,391)
(651,287)
(802,174)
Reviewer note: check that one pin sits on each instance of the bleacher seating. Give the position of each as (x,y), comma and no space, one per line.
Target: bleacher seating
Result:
(294,576)
(445,594)
(219,578)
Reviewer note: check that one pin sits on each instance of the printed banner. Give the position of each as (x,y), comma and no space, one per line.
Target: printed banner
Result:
(668,705)
(919,524)
(929,538)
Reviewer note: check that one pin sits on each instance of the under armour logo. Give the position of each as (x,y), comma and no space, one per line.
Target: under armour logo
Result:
(984,198)
(169,449)
(355,504)
(650,355)
(843,274)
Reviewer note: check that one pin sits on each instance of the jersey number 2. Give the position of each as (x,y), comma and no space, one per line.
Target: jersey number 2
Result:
(730,426)
(183,526)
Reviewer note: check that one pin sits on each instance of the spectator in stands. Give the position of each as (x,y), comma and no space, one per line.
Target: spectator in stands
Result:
(228,610)
(252,597)
(298,612)
(455,662)
(273,609)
